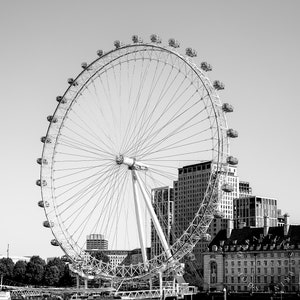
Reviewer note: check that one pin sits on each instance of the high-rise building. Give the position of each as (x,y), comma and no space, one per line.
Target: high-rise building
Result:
(96,242)
(245,189)
(163,203)
(251,210)
(189,193)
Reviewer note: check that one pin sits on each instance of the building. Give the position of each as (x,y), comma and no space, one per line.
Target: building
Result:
(95,242)
(254,259)
(280,218)
(245,189)
(189,193)
(116,257)
(135,257)
(163,203)
(250,210)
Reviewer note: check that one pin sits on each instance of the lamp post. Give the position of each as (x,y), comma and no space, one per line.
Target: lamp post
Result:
(225,294)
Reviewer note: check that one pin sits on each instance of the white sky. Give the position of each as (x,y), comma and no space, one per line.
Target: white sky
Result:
(253,47)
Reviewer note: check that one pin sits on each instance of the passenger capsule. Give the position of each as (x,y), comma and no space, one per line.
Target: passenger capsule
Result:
(52,119)
(218,85)
(42,203)
(41,182)
(232,160)
(73,82)
(155,38)
(84,65)
(48,224)
(136,39)
(173,43)
(205,237)
(205,66)
(218,214)
(61,99)
(227,188)
(232,133)
(100,53)
(190,52)
(228,108)
(45,139)
(118,44)
(54,242)
(42,161)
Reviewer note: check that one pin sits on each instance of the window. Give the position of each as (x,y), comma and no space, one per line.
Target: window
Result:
(286,262)
(213,272)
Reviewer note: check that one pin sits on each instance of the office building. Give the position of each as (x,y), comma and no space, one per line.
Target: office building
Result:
(189,193)
(96,242)
(163,203)
(251,210)
(245,189)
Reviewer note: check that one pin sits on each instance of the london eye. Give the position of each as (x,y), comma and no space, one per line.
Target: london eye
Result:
(123,128)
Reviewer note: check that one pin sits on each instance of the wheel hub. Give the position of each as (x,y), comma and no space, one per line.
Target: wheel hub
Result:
(131,162)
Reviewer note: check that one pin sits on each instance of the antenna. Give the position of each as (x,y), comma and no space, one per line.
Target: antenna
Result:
(7,251)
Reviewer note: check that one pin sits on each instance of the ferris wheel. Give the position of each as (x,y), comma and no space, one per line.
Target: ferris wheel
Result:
(122,129)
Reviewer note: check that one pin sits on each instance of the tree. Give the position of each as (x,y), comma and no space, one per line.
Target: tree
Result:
(19,271)
(59,263)
(6,267)
(67,279)
(51,275)
(35,270)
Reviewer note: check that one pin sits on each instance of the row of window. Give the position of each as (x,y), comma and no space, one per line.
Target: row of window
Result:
(261,279)
(283,270)
(265,254)
(264,262)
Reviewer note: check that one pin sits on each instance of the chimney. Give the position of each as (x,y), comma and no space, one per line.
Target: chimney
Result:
(286,225)
(266,225)
(229,228)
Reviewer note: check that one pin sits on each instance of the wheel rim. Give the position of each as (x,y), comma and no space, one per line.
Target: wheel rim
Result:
(145,102)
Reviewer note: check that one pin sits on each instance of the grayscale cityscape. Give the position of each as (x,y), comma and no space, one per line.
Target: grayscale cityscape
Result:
(150,150)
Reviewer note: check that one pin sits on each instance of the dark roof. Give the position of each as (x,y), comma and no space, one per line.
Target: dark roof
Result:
(198,164)
(253,238)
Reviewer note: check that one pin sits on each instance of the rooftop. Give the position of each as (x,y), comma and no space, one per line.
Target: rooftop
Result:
(253,239)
